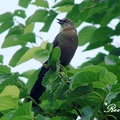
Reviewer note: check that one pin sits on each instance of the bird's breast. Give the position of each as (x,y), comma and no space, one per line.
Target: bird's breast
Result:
(68,42)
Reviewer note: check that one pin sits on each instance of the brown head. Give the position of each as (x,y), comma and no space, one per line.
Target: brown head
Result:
(66,24)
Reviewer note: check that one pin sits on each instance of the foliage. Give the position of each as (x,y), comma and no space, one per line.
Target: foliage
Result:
(91,91)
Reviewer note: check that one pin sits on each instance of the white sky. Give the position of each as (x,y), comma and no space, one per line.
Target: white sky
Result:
(12,5)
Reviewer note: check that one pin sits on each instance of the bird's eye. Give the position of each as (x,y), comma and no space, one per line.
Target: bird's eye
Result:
(67,21)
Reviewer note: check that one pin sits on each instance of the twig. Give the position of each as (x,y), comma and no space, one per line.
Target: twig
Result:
(74,107)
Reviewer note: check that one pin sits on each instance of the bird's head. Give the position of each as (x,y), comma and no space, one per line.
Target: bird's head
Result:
(65,23)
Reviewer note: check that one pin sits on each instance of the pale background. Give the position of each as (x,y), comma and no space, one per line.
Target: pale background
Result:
(79,57)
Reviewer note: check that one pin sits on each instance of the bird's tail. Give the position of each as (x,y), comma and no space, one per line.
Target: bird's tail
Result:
(38,89)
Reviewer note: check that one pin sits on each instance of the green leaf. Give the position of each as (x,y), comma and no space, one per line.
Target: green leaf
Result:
(116,88)
(78,93)
(32,79)
(41,117)
(28,73)
(115,51)
(97,92)
(96,8)
(100,37)
(112,49)
(95,75)
(41,55)
(23,112)
(88,75)
(29,28)
(4,69)
(38,16)
(55,55)
(1,58)
(118,75)
(57,118)
(31,52)
(74,13)
(65,2)
(49,20)
(66,8)
(111,97)
(109,78)
(87,114)
(16,30)
(117,29)
(85,77)
(98,59)
(8,98)
(111,68)
(11,90)
(14,40)
(25,3)
(10,41)
(9,79)
(46,45)
(96,69)
(8,102)
(28,55)
(3,77)
(16,57)
(20,13)
(85,34)
(97,17)
(29,37)
(111,60)
(6,17)
(6,25)
(111,13)
(8,116)
(118,104)
(104,31)
(41,3)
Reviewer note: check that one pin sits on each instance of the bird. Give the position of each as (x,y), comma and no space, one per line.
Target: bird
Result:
(67,41)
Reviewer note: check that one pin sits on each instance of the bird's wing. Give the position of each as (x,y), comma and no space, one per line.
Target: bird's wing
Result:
(55,42)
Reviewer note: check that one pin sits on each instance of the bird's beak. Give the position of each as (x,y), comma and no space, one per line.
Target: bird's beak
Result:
(60,21)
